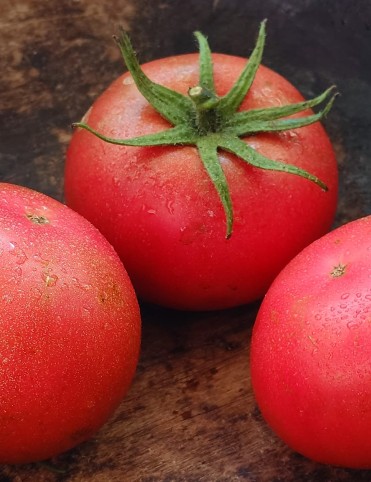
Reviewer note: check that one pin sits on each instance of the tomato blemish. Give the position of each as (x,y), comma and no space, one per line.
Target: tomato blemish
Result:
(37,219)
(338,270)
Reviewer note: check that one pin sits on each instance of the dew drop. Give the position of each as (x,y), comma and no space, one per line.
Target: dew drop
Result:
(170,206)
(7,298)
(128,80)
(344,296)
(353,324)
(18,253)
(116,181)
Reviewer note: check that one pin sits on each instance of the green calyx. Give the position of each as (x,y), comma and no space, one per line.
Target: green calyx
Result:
(211,123)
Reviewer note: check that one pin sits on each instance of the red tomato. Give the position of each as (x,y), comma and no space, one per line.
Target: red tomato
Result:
(159,209)
(69,327)
(311,349)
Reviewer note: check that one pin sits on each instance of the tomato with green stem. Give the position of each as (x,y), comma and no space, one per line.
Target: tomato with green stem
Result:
(206,177)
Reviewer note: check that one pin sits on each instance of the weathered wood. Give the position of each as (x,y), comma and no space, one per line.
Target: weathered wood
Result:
(190,414)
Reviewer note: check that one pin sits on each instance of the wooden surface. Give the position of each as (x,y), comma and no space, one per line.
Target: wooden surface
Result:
(190,414)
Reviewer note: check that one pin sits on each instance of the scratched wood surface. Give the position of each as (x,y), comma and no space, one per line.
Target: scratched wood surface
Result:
(190,414)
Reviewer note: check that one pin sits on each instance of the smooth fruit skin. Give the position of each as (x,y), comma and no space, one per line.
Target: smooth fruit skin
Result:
(311,349)
(69,327)
(159,209)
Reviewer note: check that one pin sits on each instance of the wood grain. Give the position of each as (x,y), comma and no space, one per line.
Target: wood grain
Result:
(190,414)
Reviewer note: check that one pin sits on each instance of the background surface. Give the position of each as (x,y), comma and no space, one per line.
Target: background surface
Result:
(190,414)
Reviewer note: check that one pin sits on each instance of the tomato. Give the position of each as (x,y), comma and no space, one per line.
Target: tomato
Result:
(160,210)
(69,327)
(311,349)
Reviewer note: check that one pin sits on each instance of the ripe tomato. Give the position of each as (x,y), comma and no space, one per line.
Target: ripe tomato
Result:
(159,209)
(311,349)
(69,327)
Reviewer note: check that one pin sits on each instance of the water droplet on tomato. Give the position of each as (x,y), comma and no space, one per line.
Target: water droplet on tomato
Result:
(39,259)
(7,298)
(353,324)
(20,255)
(116,181)
(344,296)
(170,206)
(128,80)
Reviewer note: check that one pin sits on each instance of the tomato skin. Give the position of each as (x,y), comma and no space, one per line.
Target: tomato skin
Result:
(159,209)
(311,349)
(69,327)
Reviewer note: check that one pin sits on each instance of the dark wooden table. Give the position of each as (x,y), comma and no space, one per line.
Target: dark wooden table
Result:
(190,414)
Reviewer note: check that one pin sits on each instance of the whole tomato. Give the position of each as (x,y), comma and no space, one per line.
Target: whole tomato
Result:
(165,207)
(311,349)
(69,327)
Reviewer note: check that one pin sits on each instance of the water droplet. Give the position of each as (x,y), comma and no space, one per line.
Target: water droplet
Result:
(128,80)
(7,298)
(20,255)
(39,259)
(344,296)
(151,211)
(116,181)
(36,292)
(353,324)
(170,206)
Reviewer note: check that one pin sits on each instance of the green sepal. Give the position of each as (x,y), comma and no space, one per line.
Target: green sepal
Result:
(250,127)
(208,151)
(170,104)
(179,135)
(251,156)
(239,122)
(206,63)
(232,100)
(211,122)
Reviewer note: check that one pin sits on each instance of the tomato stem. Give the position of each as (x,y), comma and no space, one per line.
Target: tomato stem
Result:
(207,118)
(211,123)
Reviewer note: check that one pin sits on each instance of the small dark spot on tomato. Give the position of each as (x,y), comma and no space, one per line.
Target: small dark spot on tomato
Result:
(338,270)
(102,297)
(36,219)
